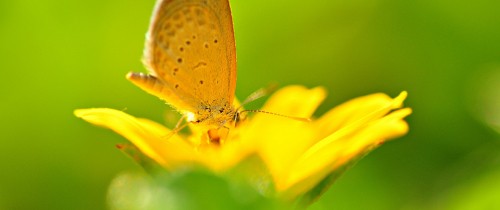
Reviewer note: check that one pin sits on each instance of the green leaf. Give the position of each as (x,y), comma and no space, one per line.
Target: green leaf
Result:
(253,172)
(205,190)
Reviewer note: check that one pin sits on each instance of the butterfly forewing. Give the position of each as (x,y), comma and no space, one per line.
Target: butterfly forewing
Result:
(190,49)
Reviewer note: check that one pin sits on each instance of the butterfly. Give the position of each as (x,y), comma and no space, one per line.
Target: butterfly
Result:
(191,57)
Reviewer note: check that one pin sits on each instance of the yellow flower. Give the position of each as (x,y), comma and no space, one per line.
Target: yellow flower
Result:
(298,155)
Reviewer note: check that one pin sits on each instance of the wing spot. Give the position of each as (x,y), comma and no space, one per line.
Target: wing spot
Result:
(177,16)
(198,11)
(181,49)
(201,82)
(167,26)
(194,36)
(216,41)
(206,45)
(176,86)
(175,71)
(200,64)
(179,60)
(188,42)
(164,45)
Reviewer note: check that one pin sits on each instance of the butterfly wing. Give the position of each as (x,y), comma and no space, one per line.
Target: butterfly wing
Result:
(190,53)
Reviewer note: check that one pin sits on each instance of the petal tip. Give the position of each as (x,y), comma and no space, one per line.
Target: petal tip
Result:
(80,113)
(320,89)
(398,101)
(408,111)
(402,96)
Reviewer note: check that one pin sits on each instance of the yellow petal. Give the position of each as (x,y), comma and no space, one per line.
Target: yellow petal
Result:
(281,140)
(148,136)
(296,101)
(377,132)
(355,109)
(219,159)
(346,143)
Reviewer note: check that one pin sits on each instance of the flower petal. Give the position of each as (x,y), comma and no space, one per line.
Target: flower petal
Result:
(148,136)
(346,143)
(295,100)
(281,140)
(355,109)
(220,159)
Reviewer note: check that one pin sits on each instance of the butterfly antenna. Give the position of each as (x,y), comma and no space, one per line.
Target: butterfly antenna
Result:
(302,119)
(258,94)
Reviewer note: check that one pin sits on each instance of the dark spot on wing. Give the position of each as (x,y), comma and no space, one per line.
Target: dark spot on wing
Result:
(167,26)
(200,64)
(176,16)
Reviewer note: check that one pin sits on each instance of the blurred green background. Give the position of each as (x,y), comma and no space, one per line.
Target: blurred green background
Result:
(57,56)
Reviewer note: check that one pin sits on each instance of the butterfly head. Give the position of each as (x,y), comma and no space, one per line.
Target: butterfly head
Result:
(213,116)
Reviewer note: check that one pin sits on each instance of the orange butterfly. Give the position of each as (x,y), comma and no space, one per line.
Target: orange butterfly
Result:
(191,57)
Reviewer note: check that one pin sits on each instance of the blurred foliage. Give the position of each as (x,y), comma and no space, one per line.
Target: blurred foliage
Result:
(62,55)
(195,190)
(190,187)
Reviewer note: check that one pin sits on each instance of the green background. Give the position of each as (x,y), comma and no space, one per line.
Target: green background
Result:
(57,56)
